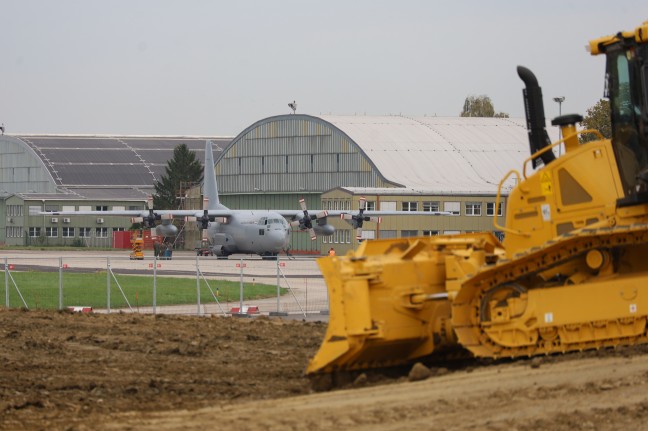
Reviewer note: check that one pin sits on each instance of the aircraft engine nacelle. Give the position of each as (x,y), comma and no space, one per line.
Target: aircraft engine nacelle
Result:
(166,230)
(223,244)
(219,250)
(324,229)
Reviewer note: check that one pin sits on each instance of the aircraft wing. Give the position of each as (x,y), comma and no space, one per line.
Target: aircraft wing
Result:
(228,212)
(338,213)
(124,213)
(139,213)
(392,213)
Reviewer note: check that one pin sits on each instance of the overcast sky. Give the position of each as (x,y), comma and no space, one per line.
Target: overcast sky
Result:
(215,67)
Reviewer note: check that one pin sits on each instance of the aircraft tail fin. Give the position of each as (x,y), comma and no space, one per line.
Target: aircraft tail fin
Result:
(210,188)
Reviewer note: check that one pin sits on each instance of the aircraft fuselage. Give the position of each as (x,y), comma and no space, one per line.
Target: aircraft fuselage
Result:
(255,232)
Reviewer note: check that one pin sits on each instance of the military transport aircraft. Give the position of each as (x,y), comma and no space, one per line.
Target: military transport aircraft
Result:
(227,231)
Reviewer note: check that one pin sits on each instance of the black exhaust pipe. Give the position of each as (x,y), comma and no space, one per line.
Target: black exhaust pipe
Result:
(535,117)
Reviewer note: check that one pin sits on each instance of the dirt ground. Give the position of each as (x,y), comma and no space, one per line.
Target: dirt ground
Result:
(74,371)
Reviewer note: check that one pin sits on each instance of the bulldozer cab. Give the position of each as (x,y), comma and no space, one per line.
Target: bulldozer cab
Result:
(627,89)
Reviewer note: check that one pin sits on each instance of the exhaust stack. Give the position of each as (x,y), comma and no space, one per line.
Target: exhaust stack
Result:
(535,117)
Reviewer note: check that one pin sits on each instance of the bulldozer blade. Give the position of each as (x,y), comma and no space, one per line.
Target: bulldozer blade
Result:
(390,301)
(372,322)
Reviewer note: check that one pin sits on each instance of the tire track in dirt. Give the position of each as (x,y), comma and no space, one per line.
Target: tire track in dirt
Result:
(608,393)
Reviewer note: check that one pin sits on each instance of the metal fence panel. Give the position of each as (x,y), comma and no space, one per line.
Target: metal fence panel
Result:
(115,283)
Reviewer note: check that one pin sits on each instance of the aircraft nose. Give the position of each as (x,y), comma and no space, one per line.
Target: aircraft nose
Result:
(279,238)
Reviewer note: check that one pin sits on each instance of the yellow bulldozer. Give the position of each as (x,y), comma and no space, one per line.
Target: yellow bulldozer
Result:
(571,273)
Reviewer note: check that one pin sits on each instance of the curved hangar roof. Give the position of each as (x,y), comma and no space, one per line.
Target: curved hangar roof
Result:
(109,167)
(432,155)
(441,154)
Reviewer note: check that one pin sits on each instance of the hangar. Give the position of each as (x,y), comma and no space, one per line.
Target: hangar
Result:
(451,164)
(55,172)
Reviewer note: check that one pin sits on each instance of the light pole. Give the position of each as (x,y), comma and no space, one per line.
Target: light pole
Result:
(559,100)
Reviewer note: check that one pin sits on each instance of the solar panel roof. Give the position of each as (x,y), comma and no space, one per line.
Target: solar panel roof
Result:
(120,161)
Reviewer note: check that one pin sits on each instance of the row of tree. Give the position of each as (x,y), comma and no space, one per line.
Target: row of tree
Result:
(597,117)
(480,106)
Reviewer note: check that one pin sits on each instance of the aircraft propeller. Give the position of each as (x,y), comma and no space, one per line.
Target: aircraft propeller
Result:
(204,219)
(358,219)
(149,220)
(306,222)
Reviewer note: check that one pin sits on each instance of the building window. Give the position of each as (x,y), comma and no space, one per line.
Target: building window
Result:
(388,206)
(34,209)
(410,206)
(431,206)
(51,232)
(451,232)
(51,208)
(15,210)
(473,208)
(68,232)
(430,232)
(490,209)
(366,234)
(452,207)
(370,205)
(387,234)
(101,232)
(68,208)
(84,232)
(13,231)
(101,208)
(34,232)
(408,233)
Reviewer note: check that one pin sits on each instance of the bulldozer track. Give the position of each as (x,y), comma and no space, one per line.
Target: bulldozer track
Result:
(478,336)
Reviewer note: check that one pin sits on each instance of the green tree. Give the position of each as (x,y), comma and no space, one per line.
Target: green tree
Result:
(182,168)
(480,106)
(598,117)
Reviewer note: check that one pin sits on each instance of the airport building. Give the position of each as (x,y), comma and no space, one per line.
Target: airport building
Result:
(80,173)
(433,164)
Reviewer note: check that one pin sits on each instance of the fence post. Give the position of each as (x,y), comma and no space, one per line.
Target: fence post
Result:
(278,312)
(155,283)
(108,283)
(198,286)
(6,267)
(278,288)
(60,283)
(241,288)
